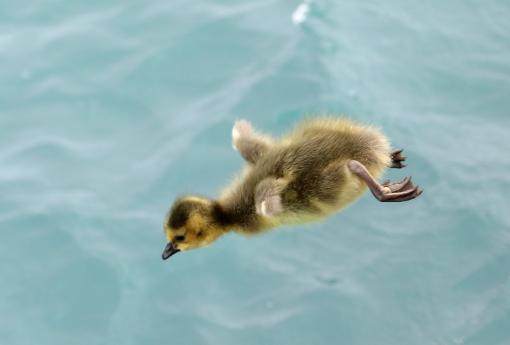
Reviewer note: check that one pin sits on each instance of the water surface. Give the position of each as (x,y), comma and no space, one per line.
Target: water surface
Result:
(109,111)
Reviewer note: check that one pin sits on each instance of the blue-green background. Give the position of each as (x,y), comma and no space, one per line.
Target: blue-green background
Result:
(109,110)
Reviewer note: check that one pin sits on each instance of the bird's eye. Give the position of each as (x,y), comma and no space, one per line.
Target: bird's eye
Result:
(179,238)
(200,233)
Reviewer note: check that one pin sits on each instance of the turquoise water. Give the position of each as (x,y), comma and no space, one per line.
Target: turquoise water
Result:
(108,111)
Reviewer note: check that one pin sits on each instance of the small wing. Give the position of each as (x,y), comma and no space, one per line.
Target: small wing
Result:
(268,200)
(250,144)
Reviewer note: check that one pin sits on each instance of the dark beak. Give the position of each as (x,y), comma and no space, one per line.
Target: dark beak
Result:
(169,251)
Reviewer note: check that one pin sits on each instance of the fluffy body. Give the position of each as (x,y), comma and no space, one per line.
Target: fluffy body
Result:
(303,176)
(310,165)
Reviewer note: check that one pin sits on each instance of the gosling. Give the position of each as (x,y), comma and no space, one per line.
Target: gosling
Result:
(323,165)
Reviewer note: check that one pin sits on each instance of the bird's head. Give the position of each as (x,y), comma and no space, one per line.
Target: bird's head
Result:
(191,223)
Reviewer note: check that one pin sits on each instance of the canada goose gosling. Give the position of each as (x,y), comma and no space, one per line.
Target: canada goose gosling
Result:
(323,165)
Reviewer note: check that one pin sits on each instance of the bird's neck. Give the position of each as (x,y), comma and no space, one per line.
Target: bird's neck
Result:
(232,218)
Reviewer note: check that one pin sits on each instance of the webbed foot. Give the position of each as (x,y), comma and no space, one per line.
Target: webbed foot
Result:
(388,191)
(397,158)
(399,186)
(398,191)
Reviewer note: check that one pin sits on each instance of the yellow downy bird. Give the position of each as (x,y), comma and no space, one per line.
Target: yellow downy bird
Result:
(320,167)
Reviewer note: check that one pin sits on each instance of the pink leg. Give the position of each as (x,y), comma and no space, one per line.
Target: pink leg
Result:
(389,192)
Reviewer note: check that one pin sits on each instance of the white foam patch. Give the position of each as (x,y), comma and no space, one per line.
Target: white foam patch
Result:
(300,13)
